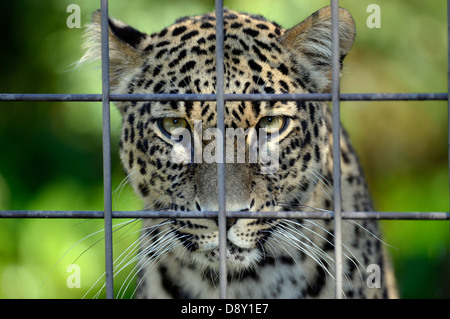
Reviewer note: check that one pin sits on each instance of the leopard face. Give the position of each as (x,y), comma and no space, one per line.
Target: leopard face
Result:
(169,149)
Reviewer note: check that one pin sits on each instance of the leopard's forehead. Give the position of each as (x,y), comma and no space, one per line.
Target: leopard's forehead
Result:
(196,30)
(182,59)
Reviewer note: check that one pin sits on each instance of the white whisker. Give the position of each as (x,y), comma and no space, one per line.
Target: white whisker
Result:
(118,191)
(370,233)
(163,236)
(328,190)
(332,244)
(174,244)
(125,255)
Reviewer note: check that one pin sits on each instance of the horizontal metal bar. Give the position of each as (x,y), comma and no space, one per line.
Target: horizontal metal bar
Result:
(230,214)
(397,215)
(9,97)
(393,97)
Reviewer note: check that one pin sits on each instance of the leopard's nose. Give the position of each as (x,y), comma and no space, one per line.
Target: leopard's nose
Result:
(231,222)
(237,182)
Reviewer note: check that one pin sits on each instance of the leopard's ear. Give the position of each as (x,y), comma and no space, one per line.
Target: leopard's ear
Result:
(126,47)
(309,43)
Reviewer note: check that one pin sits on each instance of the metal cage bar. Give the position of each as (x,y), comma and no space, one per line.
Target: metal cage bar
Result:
(324,97)
(336,119)
(220,98)
(220,105)
(76,214)
(448,90)
(109,275)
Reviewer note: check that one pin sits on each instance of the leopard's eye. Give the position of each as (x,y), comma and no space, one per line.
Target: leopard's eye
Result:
(168,125)
(272,124)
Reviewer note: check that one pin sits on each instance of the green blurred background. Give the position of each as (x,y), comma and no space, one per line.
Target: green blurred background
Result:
(51,155)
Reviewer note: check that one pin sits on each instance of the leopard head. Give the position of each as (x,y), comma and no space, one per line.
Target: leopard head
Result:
(169,149)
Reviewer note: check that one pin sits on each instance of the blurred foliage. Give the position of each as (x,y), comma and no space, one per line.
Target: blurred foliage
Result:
(51,155)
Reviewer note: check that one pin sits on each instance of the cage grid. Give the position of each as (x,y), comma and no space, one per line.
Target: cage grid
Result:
(220,97)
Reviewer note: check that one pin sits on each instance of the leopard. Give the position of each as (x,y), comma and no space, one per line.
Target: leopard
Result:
(286,258)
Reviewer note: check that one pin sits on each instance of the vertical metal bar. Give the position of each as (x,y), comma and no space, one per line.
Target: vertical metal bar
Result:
(448,88)
(335,64)
(220,101)
(106,150)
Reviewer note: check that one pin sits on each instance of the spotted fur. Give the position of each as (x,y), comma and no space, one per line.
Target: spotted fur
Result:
(266,258)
